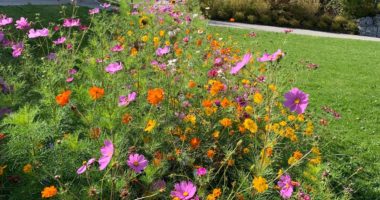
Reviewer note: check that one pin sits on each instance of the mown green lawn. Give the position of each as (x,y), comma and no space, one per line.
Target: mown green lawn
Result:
(347,80)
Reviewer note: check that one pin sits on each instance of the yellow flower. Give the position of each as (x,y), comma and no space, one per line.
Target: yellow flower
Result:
(283,123)
(143,21)
(258,98)
(250,125)
(210,197)
(245,82)
(167,43)
(2,169)
(150,126)
(260,184)
(215,135)
(249,109)
(162,33)
(190,118)
(291,117)
(217,192)
(272,87)
(130,33)
(225,122)
(144,38)
(27,168)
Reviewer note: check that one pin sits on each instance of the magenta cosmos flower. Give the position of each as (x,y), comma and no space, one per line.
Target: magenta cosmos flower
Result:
(4,20)
(93,11)
(162,51)
(107,152)
(17,49)
(60,40)
(201,171)
(71,22)
(117,48)
(137,162)
(271,57)
(296,100)
(38,33)
(126,100)
(85,165)
(184,190)
(247,57)
(22,24)
(286,186)
(114,67)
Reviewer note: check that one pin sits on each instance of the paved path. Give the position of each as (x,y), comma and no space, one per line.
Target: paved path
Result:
(295,31)
(86,3)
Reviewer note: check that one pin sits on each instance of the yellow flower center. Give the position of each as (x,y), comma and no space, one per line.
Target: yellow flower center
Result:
(297,101)
(185,194)
(136,163)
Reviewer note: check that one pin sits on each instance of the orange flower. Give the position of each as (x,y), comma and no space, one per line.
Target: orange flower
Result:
(210,153)
(216,87)
(195,143)
(207,103)
(155,96)
(49,192)
(225,103)
(191,84)
(63,98)
(232,19)
(225,122)
(126,118)
(134,52)
(96,93)
(297,155)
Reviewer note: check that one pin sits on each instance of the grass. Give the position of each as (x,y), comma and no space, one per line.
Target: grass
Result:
(347,81)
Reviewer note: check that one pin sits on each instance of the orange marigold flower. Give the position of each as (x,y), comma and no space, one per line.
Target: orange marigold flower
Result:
(134,52)
(216,87)
(297,155)
(260,184)
(27,168)
(126,118)
(195,143)
(63,98)
(232,19)
(191,84)
(49,192)
(225,103)
(226,122)
(210,153)
(217,192)
(155,96)
(96,92)
(207,103)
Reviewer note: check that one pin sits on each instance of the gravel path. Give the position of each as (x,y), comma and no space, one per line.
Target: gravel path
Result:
(295,31)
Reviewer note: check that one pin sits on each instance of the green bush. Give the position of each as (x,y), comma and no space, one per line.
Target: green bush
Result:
(339,23)
(252,19)
(359,8)
(239,16)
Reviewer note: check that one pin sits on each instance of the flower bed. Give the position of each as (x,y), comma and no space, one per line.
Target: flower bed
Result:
(146,103)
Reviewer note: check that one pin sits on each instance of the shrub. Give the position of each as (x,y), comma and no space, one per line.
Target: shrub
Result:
(339,23)
(239,16)
(305,9)
(265,19)
(294,23)
(260,7)
(252,19)
(359,8)
(282,21)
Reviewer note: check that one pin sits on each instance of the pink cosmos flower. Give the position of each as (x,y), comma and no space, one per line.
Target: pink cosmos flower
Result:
(17,49)
(38,33)
(218,62)
(60,40)
(247,57)
(107,153)
(22,24)
(124,101)
(93,11)
(184,190)
(117,48)
(186,39)
(286,186)
(105,5)
(71,22)
(5,21)
(162,51)
(268,57)
(114,67)
(137,162)
(69,79)
(286,31)
(83,28)
(296,100)
(201,171)
(85,165)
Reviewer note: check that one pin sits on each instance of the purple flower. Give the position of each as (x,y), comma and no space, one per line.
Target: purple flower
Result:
(201,171)
(60,40)
(17,49)
(296,100)
(184,190)
(218,62)
(268,57)
(114,67)
(105,5)
(93,11)
(162,51)
(303,196)
(4,111)
(117,48)
(5,21)
(38,33)
(137,162)
(124,101)
(70,79)
(85,165)
(107,152)
(72,71)
(247,57)
(286,186)
(51,56)
(22,24)
(71,22)
(2,35)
